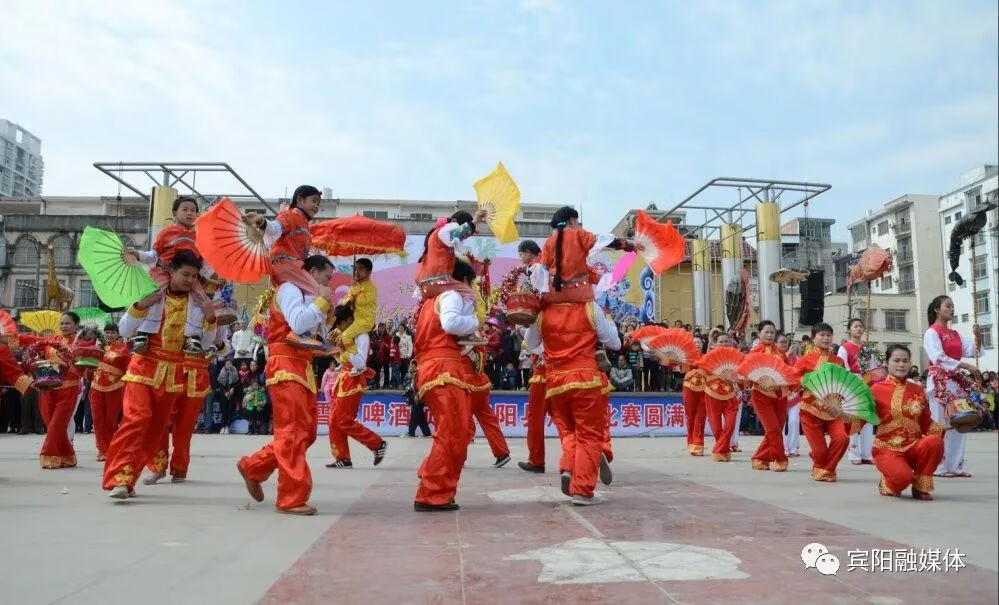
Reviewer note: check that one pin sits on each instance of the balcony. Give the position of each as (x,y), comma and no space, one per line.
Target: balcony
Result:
(907,286)
(903,228)
(904,257)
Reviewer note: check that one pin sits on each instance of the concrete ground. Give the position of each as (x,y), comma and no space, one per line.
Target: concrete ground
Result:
(673,529)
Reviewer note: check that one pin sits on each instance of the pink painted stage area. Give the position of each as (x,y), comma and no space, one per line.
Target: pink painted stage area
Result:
(658,538)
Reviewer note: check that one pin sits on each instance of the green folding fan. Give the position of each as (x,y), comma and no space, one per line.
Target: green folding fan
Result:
(117,282)
(93,317)
(840,388)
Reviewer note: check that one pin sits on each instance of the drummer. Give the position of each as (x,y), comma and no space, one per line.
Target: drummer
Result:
(947,385)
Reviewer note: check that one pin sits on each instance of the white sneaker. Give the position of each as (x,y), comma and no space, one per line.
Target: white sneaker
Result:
(578,500)
(119,492)
(153,479)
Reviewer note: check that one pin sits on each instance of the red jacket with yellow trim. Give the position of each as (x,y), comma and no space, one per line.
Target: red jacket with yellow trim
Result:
(114,364)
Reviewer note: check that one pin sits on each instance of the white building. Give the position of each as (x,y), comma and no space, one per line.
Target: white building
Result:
(21,165)
(977,187)
(908,227)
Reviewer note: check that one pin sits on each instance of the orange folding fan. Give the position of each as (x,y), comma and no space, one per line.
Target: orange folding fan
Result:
(234,249)
(8,327)
(767,371)
(646,332)
(358,236)
(661,245)
(722,362)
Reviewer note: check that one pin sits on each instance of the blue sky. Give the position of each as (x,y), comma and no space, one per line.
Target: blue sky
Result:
(608,105)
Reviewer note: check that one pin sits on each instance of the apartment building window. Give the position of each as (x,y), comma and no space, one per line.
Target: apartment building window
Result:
(895,320)
(62,249)
(25,293)
(947,220)
(377,214)
(957,217)
(951,286)
(85,295)
(906,280)
(886,282)
(981,267)
(986,337)
(883,228)
(973,197)
(982,302)
(536,216)
(979,239)
(964,317)
(859,233)
(421,216)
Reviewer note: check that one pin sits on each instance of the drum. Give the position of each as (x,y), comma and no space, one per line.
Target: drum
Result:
(964,416)
(522,308)
(47,375)
(88,357)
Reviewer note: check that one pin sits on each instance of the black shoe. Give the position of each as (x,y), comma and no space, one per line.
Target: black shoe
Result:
(566,481)
(605,470)
(531,468)
(501,460)
(340,464)
(433,508)
(380,453)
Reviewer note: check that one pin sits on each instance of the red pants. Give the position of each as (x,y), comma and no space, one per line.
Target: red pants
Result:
(57,407)
(824,457)
(181,429)
(537,408)
(343,424)
(693,407)
(581,416)
(295,417)
(146,412)
(721,416)
(451,407)
(106,409)
(482,412)
(772,412)
(914,466)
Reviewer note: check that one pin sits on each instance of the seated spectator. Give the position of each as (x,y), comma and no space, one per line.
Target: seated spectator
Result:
(509,380)
(622,376)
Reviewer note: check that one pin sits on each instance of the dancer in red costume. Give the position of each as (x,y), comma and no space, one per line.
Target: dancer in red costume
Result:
(475,361)
(171,240)
(694,407)
(861,440)
(59,404)
(721,403)
(446,314)
(11,373)
(290,241)
(771,408)
(156,378)
(180,429)
(350,384)
(107,389)
(570,329)
(434,275)
(909,445)
(816,421)
(292,386)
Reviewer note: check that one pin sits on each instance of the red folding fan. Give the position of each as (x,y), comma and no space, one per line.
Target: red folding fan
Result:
(8,327)
(723,361)
(234,249)
(358,236)
(646,332)
(673,346)
(661,245)
(767,371)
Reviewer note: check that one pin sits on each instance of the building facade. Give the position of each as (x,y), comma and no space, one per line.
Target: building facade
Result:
(979,264)
(806,244)
(21,164)
(909,228)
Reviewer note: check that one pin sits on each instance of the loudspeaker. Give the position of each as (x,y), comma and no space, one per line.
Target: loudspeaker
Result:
(813,302)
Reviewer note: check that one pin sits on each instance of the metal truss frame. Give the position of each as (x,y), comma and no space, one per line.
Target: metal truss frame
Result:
(170,174)
(760,190)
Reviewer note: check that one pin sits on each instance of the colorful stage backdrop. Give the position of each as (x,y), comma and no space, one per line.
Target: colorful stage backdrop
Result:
(631,298)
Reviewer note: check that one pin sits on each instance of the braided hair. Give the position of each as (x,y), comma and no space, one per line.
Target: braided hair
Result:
(559,221)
